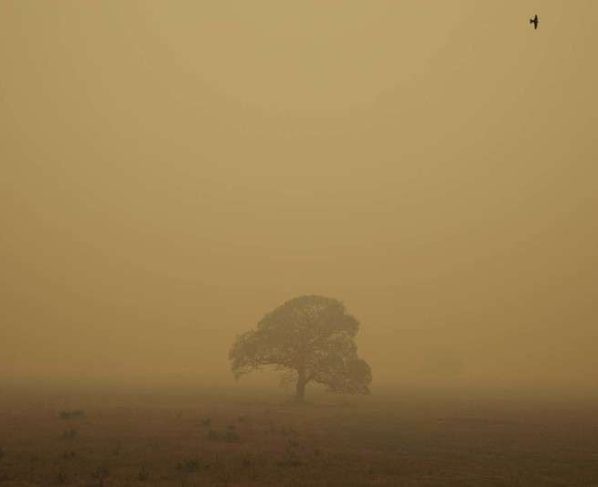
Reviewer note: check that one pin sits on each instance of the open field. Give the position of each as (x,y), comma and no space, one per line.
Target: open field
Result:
(234,439)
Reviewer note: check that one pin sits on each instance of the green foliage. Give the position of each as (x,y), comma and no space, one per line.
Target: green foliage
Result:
(143,474)
(292,456)
(100,474)
(61,477)
(231,434)
(70,434)
(74,414)
(68,455)
(190,465)
(117,449)
(311,336)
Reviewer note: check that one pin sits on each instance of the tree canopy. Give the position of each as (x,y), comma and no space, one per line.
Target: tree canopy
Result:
(311,336)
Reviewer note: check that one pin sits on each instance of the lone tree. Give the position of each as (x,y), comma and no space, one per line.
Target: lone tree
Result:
(310,336)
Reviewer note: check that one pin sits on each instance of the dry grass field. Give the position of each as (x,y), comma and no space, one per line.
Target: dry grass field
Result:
(233,439)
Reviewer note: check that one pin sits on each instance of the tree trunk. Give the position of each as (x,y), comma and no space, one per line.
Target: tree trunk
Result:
(300,388)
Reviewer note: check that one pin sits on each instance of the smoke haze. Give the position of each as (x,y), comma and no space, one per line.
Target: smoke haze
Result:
(171,171)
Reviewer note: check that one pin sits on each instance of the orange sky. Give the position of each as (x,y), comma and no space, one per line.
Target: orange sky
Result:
(170,171)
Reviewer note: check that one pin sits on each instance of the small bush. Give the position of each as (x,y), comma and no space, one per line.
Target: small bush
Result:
(291,456)
(117,450)
(247,462)
(191,465)
(143,474)
(284,431)
(290,459)
(231,436)
(69,434)
(74,414)
(61,477)
(100,474)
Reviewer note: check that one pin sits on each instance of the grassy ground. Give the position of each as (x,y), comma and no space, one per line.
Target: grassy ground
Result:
(224,439)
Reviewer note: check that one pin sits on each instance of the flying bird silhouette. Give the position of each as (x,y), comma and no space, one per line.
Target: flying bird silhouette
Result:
(534,21)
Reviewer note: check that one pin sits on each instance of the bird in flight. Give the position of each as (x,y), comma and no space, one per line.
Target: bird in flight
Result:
(534,21)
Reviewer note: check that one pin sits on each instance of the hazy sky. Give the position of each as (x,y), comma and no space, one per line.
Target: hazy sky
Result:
(170,171)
